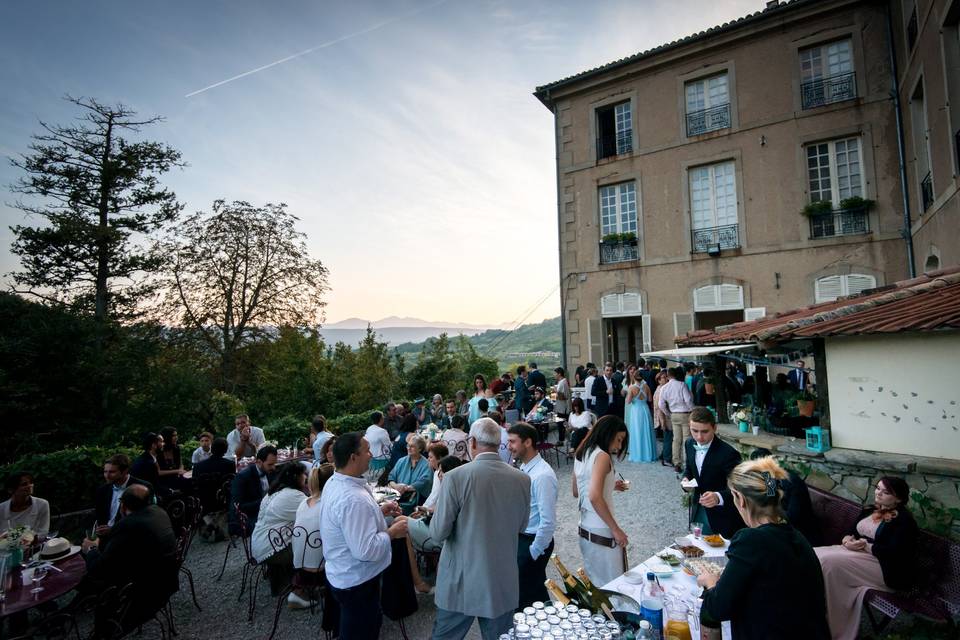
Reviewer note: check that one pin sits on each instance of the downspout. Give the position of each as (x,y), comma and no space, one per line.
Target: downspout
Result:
(563,311)
(901,151)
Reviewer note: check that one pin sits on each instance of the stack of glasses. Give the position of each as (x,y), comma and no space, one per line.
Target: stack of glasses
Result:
(549,622)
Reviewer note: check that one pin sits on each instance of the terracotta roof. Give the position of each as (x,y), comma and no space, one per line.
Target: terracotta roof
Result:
(929,302)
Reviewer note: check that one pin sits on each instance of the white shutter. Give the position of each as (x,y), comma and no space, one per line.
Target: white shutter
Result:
(705,298)
(595,337)
(630,303)
(647,336)
(610,305)
(731,296)
(618,305)
(828,288)
(682,323)
(857,282)
(714,297)
(753,313)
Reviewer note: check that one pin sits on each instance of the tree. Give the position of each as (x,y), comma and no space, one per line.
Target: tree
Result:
(100,193)
(237,273)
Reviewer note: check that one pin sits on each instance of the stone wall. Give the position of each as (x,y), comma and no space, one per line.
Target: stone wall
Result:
(851,474)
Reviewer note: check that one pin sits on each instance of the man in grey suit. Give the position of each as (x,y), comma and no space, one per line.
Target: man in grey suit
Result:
(482,509)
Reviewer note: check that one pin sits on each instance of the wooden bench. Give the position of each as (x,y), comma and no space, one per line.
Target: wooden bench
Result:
(936,597)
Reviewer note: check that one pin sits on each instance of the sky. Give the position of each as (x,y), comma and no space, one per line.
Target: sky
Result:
(405,137)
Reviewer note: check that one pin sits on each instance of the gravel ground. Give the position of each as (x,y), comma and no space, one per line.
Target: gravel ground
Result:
(650,512)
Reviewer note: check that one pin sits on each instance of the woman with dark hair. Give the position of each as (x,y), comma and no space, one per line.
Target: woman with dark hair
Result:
(278,511)
(169,461)
(580,421)
(603,543)
(579,376)
(326,451)
(23,509)
(878,554)
(479,393)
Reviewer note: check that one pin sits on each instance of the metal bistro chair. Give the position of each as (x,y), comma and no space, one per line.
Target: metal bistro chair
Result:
(314,582)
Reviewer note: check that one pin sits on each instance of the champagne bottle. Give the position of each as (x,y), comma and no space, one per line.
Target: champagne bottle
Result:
(556,594)
(600,597)
(574,590)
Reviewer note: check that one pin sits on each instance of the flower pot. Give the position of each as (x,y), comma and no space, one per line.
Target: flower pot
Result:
(756,431)
(805,407)
(744,426)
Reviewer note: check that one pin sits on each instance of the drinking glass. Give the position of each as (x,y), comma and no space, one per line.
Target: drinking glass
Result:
(39,573)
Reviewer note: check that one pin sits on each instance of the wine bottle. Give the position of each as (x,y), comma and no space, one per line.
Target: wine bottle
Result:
(556,594)
(598,595)
(574,590)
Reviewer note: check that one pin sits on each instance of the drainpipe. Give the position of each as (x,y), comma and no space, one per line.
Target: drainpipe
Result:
(563,311)
(901,151)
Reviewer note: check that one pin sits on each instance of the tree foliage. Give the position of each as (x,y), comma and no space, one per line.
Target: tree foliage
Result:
(99,194)
(443,369)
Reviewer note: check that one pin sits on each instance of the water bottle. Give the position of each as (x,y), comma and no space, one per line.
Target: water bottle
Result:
(651,606)
(645,631)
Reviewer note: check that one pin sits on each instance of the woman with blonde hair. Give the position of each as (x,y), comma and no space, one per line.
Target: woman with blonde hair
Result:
(764,559)
(307,550)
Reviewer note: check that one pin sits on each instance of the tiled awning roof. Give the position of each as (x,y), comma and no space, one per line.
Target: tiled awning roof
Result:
(930,302)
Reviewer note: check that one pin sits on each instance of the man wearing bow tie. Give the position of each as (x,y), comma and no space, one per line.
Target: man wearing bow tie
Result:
(249,486)
(709,461)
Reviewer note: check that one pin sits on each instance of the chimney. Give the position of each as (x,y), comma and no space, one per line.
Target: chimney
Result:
(772,4)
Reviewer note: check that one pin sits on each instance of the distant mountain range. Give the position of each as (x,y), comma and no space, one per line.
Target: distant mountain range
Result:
(395,330)
(395,322)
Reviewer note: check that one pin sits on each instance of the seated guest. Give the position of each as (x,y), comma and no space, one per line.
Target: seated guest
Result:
(116,471)
(307,550)
(244,440)
(169,461)
(421,412)
(278,510)
(456,438)
(483,405)
(463,405)
(141,549)
(407,426)
(248,488)
(580,422)
(23,509)
(709,461)
(796,503)
(412,475)
(437,409)
(418,526)
(319,426)
(878,554)
(203,452)
(145,466)
(326,451)
(209,477)
(762,558)
(450,410)
(541,406)
(379,437)
(215,462)
(436,452)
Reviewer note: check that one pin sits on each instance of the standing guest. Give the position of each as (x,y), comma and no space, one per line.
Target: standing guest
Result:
(480,393)
(248,488)
(536,541)
(643,440)
(356,539)
(761,560)
(588,387)
(498,385)
(795,503)
(391,420)
(676,402)
(603,543)
(202,452)
(437,409)
(319,425)
(450,410)
(399,449)
(379,438)
(482,509)
(169,460)
(581,421)
(604,391)
(535,377)
(326,451)
(456,438)
(23,509)
(106,501)
(799,378)
(245,439)
(562,406)
(278,510)
(463,406)
(662,421)
(307,552)
(421,412)
(618,378)
(522,400)
(649,375)
(412,476)
(878,554)
(710,461)
(484,405)
(145,465)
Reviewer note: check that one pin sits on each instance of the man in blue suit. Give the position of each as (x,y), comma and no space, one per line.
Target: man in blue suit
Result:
(799,378)
(604,392)
(522,397)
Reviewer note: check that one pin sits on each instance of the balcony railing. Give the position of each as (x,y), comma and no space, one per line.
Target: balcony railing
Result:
(623,251)
(706,120)
(926,191)
(845,222)
(614,144)
(727,237)
(836,88)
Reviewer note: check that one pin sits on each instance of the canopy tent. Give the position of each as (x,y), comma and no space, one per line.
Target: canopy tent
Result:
(682,354)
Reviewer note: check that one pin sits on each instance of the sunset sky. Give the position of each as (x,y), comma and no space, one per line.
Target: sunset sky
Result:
(405,136)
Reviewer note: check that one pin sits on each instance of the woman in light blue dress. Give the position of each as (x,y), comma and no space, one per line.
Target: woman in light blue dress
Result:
(480,389)
(643,441)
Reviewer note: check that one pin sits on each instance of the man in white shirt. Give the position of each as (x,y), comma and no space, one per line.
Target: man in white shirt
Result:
(676,402)
(378,438)
(536,542)
(710,461)
(245,439)
(588,386)
(202,452)
(356,538)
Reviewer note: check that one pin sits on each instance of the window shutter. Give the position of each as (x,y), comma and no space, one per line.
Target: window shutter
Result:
(731,296)
(647,336)
(705,298)
(828,288)
(595,336)
(857,282)
(610,305)
(682,323)
(713,297)
(630,303)
(753,313)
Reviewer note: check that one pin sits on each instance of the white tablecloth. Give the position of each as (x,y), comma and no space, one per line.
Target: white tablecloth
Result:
(680,584)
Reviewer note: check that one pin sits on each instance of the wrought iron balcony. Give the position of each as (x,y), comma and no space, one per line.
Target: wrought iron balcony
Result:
(614,144)
(623,251)
(706,120)
(844,222)
(926,191)
(727,237)
(837,88)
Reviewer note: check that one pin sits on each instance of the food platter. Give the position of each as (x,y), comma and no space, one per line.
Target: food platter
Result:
(697,566)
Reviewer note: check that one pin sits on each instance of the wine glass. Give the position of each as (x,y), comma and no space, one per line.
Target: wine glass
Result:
(39,573)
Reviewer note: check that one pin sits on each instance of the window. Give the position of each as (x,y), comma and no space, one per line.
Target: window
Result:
(827,74)
(832,287)
(921,145)
(614,130)
(620,304)
(713,207)
(718,297)
(834,170)
(618,209)
(708,105)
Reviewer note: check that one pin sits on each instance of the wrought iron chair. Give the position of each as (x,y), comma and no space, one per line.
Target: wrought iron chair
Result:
(313,582)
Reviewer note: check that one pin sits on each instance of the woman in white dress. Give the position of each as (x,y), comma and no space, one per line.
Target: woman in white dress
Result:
(278,510)
(307,550)
(603,543)
(580,422)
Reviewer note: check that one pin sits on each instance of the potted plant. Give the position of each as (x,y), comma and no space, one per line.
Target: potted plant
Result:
(619,238)
(742,417)
(806,402)
(856,203)
(818,208)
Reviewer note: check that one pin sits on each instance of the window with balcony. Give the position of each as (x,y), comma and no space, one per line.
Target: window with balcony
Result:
(708,105)
(618,223)
(614,130)
(827,74)
(835,178)
(830,288)
(713,207)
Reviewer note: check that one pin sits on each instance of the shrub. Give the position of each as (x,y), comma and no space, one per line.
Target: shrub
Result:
(223,409)
(287,431)
(349,422)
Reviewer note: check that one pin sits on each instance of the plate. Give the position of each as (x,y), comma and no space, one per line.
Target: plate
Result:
(634,577)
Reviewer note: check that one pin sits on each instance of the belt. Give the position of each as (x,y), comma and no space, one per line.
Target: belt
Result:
(595,539)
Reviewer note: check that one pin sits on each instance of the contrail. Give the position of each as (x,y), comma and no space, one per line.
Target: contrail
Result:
(330,43)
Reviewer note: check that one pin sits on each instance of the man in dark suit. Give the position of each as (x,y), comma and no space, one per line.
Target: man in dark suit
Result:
(523,397)
(450,409)
(145,465)
(709,461)
(799,378)
(142,549)
(618,400)
(604,392)
(209,475)
(248,488)
(535,378)
(106,500)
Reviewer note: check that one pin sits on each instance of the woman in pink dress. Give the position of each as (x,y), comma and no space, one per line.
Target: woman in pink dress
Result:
(878,555)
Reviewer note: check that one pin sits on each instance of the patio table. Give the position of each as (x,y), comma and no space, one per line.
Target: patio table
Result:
(54,585)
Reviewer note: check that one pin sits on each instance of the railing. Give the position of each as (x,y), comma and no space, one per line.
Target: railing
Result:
(727,237)
(844,222)
(705,120)
(836,88)
(611,252)
(926,191)
(614,144)
(912,29)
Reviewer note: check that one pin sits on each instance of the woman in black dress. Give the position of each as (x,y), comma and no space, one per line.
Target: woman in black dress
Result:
(765,561)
